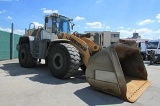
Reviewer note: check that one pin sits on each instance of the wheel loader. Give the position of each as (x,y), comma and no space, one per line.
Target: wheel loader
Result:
(117,69)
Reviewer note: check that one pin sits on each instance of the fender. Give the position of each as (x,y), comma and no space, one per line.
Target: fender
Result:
(24,39)
(55,42)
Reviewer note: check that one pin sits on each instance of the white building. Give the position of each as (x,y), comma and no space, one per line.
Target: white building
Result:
(108,37)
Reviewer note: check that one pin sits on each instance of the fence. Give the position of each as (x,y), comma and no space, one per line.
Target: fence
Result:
(8,42)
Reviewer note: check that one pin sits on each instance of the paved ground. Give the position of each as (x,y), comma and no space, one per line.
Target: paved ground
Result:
(36,87)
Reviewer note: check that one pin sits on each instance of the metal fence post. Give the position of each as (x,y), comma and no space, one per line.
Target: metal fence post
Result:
(12,42)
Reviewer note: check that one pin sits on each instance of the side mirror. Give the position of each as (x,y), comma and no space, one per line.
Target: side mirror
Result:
(72,26)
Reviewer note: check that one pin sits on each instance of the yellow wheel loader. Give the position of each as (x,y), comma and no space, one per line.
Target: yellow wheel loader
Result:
(117,69)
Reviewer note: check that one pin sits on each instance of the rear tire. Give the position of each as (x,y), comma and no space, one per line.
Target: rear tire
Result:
(63,60)
(25,58)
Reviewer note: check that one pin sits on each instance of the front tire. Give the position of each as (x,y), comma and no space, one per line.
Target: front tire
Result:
(25,58)
(63,60)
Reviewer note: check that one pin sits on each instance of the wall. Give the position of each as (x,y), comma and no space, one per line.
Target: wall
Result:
(5,45)
(108,38)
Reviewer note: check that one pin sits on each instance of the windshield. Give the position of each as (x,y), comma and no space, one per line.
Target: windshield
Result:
(64,25)
(152,45)
(61,24)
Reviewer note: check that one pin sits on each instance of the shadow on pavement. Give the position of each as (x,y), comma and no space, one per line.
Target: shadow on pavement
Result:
(94,97)
(40,73)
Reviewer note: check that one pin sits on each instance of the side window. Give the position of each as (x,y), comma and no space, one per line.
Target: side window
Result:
(49,25)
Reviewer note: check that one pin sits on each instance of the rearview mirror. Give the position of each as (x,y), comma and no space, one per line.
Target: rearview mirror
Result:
(72,26)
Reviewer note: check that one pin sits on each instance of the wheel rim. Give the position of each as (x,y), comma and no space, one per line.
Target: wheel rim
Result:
(58,61)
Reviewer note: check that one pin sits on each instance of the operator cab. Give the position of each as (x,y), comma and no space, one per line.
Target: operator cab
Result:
(56,23)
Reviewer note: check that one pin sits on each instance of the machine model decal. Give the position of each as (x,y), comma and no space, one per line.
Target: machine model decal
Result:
(78,44)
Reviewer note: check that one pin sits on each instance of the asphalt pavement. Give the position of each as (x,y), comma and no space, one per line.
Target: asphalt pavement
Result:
(37,87)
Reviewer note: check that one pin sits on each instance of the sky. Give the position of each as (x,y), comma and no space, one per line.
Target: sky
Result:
(124,16)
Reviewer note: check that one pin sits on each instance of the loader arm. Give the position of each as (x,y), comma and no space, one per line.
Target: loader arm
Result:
(84,45)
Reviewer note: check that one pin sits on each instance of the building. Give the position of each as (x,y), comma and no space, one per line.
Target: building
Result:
(136,35)
(140,43)
(108,37)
